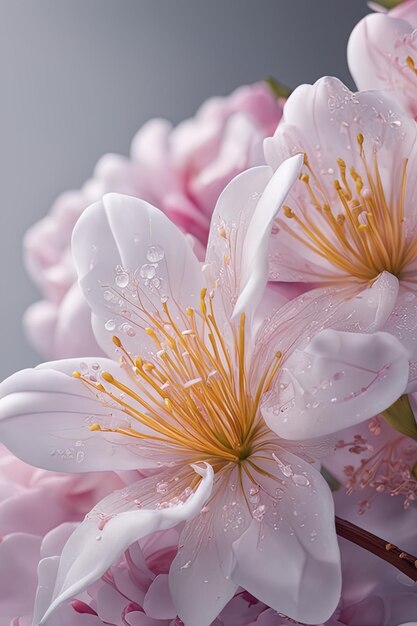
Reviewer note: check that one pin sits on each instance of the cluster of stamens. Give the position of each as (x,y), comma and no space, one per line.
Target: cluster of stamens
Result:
(364,235)
(391,469)
(194,393)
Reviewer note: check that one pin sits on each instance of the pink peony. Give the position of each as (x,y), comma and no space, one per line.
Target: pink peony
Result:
(182,170)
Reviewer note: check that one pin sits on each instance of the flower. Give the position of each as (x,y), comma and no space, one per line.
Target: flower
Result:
(32,504)
(199,366)
(382,54)
(182,170)
(349,221)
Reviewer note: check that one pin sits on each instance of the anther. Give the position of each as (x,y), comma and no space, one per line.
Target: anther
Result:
(76,374)
(94,427)
(107,377)
(288,212)
(116,341)
(359,139)
(411,64)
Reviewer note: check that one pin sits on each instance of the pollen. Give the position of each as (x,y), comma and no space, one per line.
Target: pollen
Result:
(361,230)
(196,394)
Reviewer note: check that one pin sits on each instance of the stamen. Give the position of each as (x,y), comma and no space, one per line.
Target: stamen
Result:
(363,233)
(194,394)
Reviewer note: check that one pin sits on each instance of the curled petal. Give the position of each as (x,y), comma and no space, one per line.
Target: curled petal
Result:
(255,246)
(114,525)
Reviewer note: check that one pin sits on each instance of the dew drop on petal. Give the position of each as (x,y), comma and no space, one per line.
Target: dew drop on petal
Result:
(300,480)
(122,280)
(155,254)
(110,325)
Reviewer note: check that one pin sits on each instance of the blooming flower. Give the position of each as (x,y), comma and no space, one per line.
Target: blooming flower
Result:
(349,222)
(182,170)
(199,365)
(382,54)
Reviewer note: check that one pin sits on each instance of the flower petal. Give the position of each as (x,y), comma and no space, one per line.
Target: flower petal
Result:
(341,308)
(240,230)
(289,556)
(377,55)
(46,414)
(338,380)
(229,225)
(129,256)
(255,246)
(114,525)
(199,577)
(402,323)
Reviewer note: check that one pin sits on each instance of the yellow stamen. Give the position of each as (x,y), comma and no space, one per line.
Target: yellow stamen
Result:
(362,233)
(194,395)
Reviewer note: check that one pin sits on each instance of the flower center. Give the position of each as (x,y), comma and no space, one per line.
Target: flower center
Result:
(365,233)
(195,394)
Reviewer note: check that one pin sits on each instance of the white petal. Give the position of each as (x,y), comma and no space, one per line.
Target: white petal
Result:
(46,414)
(289,556)
(229,225)
(338,380)
(346,308)
(255,246)
(128,256)
(199,577)
(402,323)
(96,545)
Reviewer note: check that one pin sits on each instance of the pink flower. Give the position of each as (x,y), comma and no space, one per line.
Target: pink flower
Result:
(202,375)
(382,54)
(349,226)
(32,503)
(182,170)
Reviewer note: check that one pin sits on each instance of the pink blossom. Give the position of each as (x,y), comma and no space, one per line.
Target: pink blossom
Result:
(32,503)
(207,366)
(382,54)
(182,170)
(348,229)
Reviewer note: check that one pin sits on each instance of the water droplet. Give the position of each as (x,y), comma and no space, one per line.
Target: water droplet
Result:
(155,254)
(300,480)
(107,295)
(162,487)
(259,513)
(110,325)
(122,280)
(147,270)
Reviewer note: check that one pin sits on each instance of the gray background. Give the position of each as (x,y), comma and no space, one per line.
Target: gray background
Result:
(79,77)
